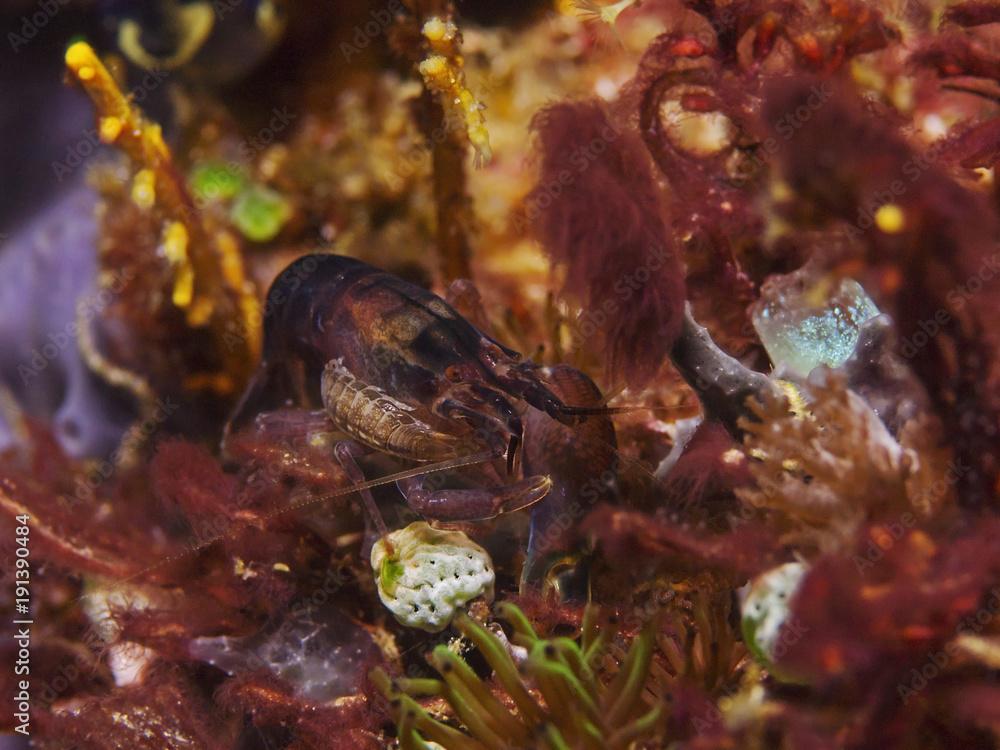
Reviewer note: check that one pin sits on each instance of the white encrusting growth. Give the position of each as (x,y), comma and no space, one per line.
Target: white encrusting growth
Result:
(425,574)
(766,607)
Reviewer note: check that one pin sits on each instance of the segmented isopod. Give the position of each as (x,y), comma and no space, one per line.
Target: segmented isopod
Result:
(373,417)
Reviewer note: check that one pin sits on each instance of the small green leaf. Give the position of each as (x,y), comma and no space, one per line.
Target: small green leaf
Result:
(749,627)
(389,575)
(216,181)
(260,213)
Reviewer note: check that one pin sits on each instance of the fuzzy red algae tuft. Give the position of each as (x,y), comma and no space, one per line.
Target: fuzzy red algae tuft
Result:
(675,422)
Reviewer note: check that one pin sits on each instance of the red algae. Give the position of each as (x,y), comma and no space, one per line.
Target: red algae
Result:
(601,216)
(516,468)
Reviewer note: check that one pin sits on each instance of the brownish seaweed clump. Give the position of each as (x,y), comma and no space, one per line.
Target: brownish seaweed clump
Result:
(592,375)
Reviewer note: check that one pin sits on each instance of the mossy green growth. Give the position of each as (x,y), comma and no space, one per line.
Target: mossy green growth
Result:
(216,181)
(748,627)
(766,612)
(389,575)
(579,706)
(259,213)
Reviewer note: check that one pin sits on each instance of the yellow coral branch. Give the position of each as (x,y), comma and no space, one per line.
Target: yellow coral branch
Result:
(123,125)
(210,284)
(443,72)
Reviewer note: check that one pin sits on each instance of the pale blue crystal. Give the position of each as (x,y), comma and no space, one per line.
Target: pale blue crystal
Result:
(805,320)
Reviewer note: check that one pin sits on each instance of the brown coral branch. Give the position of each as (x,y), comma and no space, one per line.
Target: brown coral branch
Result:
(448,147)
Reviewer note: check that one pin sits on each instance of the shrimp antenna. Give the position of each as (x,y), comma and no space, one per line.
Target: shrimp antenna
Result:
(589,411)
(452,463)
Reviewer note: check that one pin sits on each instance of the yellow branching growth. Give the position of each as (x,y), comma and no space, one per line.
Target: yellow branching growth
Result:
(443,72)
(594,11)
(836,468)
(210,284)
